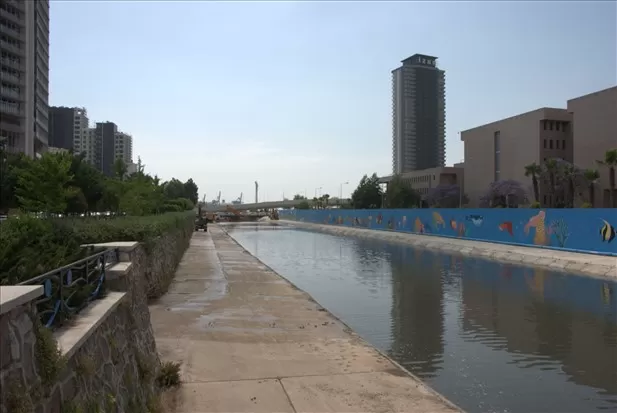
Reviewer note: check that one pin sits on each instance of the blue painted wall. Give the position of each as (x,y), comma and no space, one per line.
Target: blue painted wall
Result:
(586,230)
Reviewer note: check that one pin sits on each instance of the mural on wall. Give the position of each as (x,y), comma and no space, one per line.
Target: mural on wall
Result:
(574,229)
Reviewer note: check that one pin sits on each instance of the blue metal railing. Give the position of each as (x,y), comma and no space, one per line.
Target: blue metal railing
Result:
(68,289)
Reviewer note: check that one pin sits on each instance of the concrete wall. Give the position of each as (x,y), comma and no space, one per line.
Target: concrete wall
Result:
(595,131)
(107,359)
(570,229)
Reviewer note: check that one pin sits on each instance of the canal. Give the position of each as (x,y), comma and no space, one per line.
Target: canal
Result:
(491,337)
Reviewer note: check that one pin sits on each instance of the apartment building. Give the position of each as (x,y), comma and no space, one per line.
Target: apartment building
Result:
(501,150)
(424,180)
(105,141)
(123,147)
(595,132)
(418,115)
(69,129)
(24,75)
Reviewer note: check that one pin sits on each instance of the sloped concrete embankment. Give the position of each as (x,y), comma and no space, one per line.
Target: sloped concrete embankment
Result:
(588,264)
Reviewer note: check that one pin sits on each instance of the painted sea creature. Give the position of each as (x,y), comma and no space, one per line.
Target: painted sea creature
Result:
(607,232)
(559,228)
(538,222)
(453,224)
(506,226)
(379,219)
(438,220)
(418,226)
(404,222)
(477,220)
(462,231)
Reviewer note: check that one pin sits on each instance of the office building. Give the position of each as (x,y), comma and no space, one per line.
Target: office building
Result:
(422,181)
(123,147)
(595,132)
(68,129)
(105,141)
(418,115)
(24,76)
(501,150)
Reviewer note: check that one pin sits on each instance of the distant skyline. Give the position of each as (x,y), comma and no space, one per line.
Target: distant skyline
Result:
(297,95)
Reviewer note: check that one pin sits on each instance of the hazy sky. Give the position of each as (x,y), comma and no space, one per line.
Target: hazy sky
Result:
(297,95)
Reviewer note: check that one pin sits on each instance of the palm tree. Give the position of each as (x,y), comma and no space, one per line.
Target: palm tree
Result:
(610,161)
(325,198)
(592,176)
(315,203)
(570,173)
(534,170)
(552,168)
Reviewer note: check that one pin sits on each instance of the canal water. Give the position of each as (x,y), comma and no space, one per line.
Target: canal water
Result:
(490,337)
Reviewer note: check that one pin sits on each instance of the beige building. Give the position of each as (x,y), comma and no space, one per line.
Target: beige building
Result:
(595,132)
(501,150)
(425,179)
(580,134)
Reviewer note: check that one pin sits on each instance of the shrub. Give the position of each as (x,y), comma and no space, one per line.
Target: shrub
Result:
(586,205)
(169,375)
(535,204)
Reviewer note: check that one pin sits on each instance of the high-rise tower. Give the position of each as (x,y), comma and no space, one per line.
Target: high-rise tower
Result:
(418,115)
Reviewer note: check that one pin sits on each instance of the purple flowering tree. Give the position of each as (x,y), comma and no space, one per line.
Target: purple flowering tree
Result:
(446,196)
(504,194)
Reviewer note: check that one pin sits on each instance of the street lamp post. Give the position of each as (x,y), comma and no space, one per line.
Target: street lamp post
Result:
(340,197)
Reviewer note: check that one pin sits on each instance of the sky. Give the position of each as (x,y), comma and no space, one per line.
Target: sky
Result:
(298,95)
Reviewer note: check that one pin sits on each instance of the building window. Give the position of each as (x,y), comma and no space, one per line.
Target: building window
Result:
(556,144)
(550,125)
(550,144)
(544,143)
(544,200)
(563,144)
(557,124)
(544,122)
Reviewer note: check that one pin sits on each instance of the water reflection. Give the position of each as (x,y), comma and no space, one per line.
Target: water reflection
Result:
(490,337)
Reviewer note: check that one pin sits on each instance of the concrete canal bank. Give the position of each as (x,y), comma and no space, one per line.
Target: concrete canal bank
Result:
(589,264)
(249,341)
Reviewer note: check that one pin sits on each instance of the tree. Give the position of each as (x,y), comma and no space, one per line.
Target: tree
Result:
(551,168)
(592,176)
(43,185)
(325,199)
(191,191)
(120,169)
(534,171)
(503,194)
(10,164)
(610,162)
(571,174)
(90,183)
(400,195)
(298,197)
(174,189)
(368,194)
(303,205)
(446,196)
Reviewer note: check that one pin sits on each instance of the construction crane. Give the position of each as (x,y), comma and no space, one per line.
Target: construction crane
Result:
(239,200)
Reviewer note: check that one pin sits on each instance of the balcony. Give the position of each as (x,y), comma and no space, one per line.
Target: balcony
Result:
(12,63)
(10,93)
(11,32)
(11,17)
(11,79)
(9,47)
(11,108)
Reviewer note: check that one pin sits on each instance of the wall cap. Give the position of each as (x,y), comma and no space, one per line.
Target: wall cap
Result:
(71,337)
(12,296)
(123,246)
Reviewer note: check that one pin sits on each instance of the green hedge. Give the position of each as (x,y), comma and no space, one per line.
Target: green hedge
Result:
(30,246)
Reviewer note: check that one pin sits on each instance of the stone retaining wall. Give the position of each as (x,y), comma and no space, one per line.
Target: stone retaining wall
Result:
(105,359)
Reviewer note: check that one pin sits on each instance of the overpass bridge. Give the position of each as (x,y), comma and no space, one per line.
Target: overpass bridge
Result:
(290,203)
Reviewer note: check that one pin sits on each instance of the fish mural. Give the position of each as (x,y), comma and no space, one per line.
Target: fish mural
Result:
(477,220)
(553,228)
(506,226)
(418,226)
(538,222)
(438,220)
(607,232)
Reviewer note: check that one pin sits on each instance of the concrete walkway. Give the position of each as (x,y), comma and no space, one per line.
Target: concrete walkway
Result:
(251,342)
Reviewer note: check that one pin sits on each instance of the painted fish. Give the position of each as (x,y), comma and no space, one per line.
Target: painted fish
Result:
(453,224)
(438,220)
(475,219)
(506,226)
(607,232)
